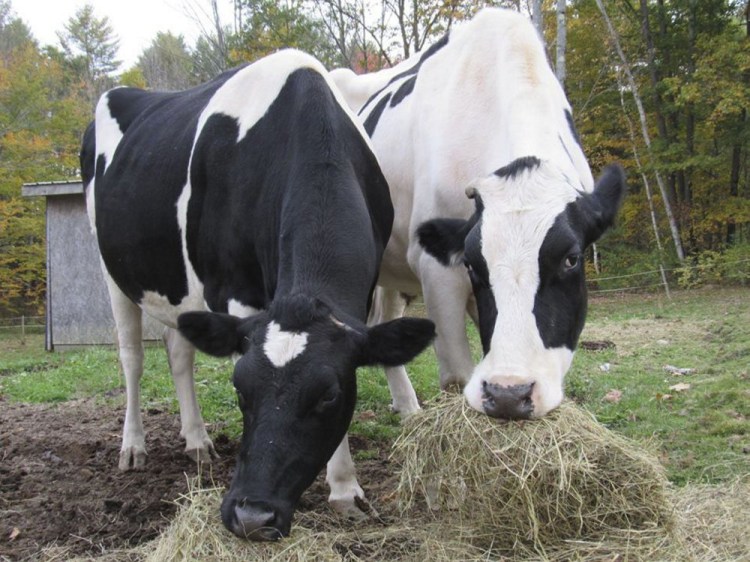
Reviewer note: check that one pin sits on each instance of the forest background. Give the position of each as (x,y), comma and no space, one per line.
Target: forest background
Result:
(662,86)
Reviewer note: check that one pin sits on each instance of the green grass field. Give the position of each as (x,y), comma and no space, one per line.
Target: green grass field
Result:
(700,428)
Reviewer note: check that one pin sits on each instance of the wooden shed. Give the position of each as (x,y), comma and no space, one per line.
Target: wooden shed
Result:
(78,312)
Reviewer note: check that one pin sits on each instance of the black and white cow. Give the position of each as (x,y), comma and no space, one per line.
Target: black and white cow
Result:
(480,114)
(256,196)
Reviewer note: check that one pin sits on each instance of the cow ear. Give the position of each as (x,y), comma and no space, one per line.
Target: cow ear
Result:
(212,332)
(444,239)
(602,205)
(396,342)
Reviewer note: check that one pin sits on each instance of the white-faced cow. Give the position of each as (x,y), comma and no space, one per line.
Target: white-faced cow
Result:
(480,114)
(251,214)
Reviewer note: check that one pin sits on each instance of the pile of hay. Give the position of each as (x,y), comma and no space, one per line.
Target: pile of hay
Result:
(559,489)
(548,487)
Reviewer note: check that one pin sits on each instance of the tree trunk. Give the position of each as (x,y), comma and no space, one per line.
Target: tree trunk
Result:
(561,42)
(536,17)
(644,129)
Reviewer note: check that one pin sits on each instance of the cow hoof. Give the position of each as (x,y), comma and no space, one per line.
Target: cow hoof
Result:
(132,458)
(204,454)
(404,411)
(349,509)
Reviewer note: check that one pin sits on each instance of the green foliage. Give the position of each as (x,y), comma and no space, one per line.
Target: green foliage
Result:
(713,267)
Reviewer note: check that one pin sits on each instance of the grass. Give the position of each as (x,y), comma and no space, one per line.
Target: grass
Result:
(701,432)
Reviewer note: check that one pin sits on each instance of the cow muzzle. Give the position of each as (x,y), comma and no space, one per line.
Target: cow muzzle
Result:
(513,402)
(254,520)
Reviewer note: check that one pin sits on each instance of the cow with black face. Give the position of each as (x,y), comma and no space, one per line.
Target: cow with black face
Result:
(480,113)
(249,216)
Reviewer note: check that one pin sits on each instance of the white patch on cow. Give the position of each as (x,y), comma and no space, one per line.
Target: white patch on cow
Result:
(236,308)
(517,215)
(90,205)
(281,347)
(108,133)
(158,306)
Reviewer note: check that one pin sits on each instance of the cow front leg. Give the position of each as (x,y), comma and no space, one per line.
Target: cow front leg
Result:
(389,304)
(181,355)
(128,319)
(446,295)
(342,480)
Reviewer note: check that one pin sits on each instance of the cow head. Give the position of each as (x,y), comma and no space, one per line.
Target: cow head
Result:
(296,387)
(523,251)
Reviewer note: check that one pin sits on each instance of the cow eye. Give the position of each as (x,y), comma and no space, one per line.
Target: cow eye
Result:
(572,261)
(327,401)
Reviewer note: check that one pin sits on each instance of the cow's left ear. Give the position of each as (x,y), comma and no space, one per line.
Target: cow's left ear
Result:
(396,342)
(444,239)
(601,206)
(214,333)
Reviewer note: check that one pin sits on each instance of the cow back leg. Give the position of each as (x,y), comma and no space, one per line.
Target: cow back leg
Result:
(342,480)
(181,355)
(389,304)
(128,321)
(446,294)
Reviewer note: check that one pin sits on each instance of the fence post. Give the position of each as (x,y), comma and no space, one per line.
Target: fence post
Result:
(23,327)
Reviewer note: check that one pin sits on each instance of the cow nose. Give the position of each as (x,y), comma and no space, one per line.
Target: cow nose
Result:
(255,522)
(508,402)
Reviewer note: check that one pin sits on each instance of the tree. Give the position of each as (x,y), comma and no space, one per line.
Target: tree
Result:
(166,64)
(268,25)
(90,45)
(40,129)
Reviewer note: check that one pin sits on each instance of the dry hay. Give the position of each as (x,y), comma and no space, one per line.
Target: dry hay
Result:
(714,521)
(559,489)
(559,485)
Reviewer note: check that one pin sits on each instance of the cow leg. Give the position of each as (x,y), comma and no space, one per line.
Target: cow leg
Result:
(446,293)
(181,354)
(128,318)
(388,304)
(342,479)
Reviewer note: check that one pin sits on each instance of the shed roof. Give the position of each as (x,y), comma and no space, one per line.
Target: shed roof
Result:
(51,188)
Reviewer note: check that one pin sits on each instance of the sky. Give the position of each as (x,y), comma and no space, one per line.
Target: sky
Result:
(135,22)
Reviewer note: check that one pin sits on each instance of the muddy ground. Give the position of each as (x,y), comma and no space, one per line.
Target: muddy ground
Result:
(59,483)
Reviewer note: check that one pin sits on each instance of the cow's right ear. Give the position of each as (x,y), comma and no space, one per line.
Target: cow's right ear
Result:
(444,239)
(212,332)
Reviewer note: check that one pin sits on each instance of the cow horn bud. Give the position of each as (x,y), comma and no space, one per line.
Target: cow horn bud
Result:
(471,192)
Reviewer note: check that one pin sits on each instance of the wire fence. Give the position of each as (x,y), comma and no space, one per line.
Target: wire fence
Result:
(683,270)
(22,325)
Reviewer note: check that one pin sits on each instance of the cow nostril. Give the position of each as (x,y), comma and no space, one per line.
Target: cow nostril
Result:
(508,402)
(255,522)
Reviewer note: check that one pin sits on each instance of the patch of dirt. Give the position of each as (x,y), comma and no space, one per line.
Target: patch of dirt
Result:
(60,486)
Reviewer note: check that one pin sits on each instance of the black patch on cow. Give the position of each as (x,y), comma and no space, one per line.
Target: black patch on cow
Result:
(479,275)
(301,199)
(404,90)
(518,166)
(136,198)
(434,48)
(571,124)
(88,154)
(372,120)
(560,301)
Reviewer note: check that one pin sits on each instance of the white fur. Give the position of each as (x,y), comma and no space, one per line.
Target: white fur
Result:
(485,99)
(517,215)
(107,131)
(282,347)
(236,308)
